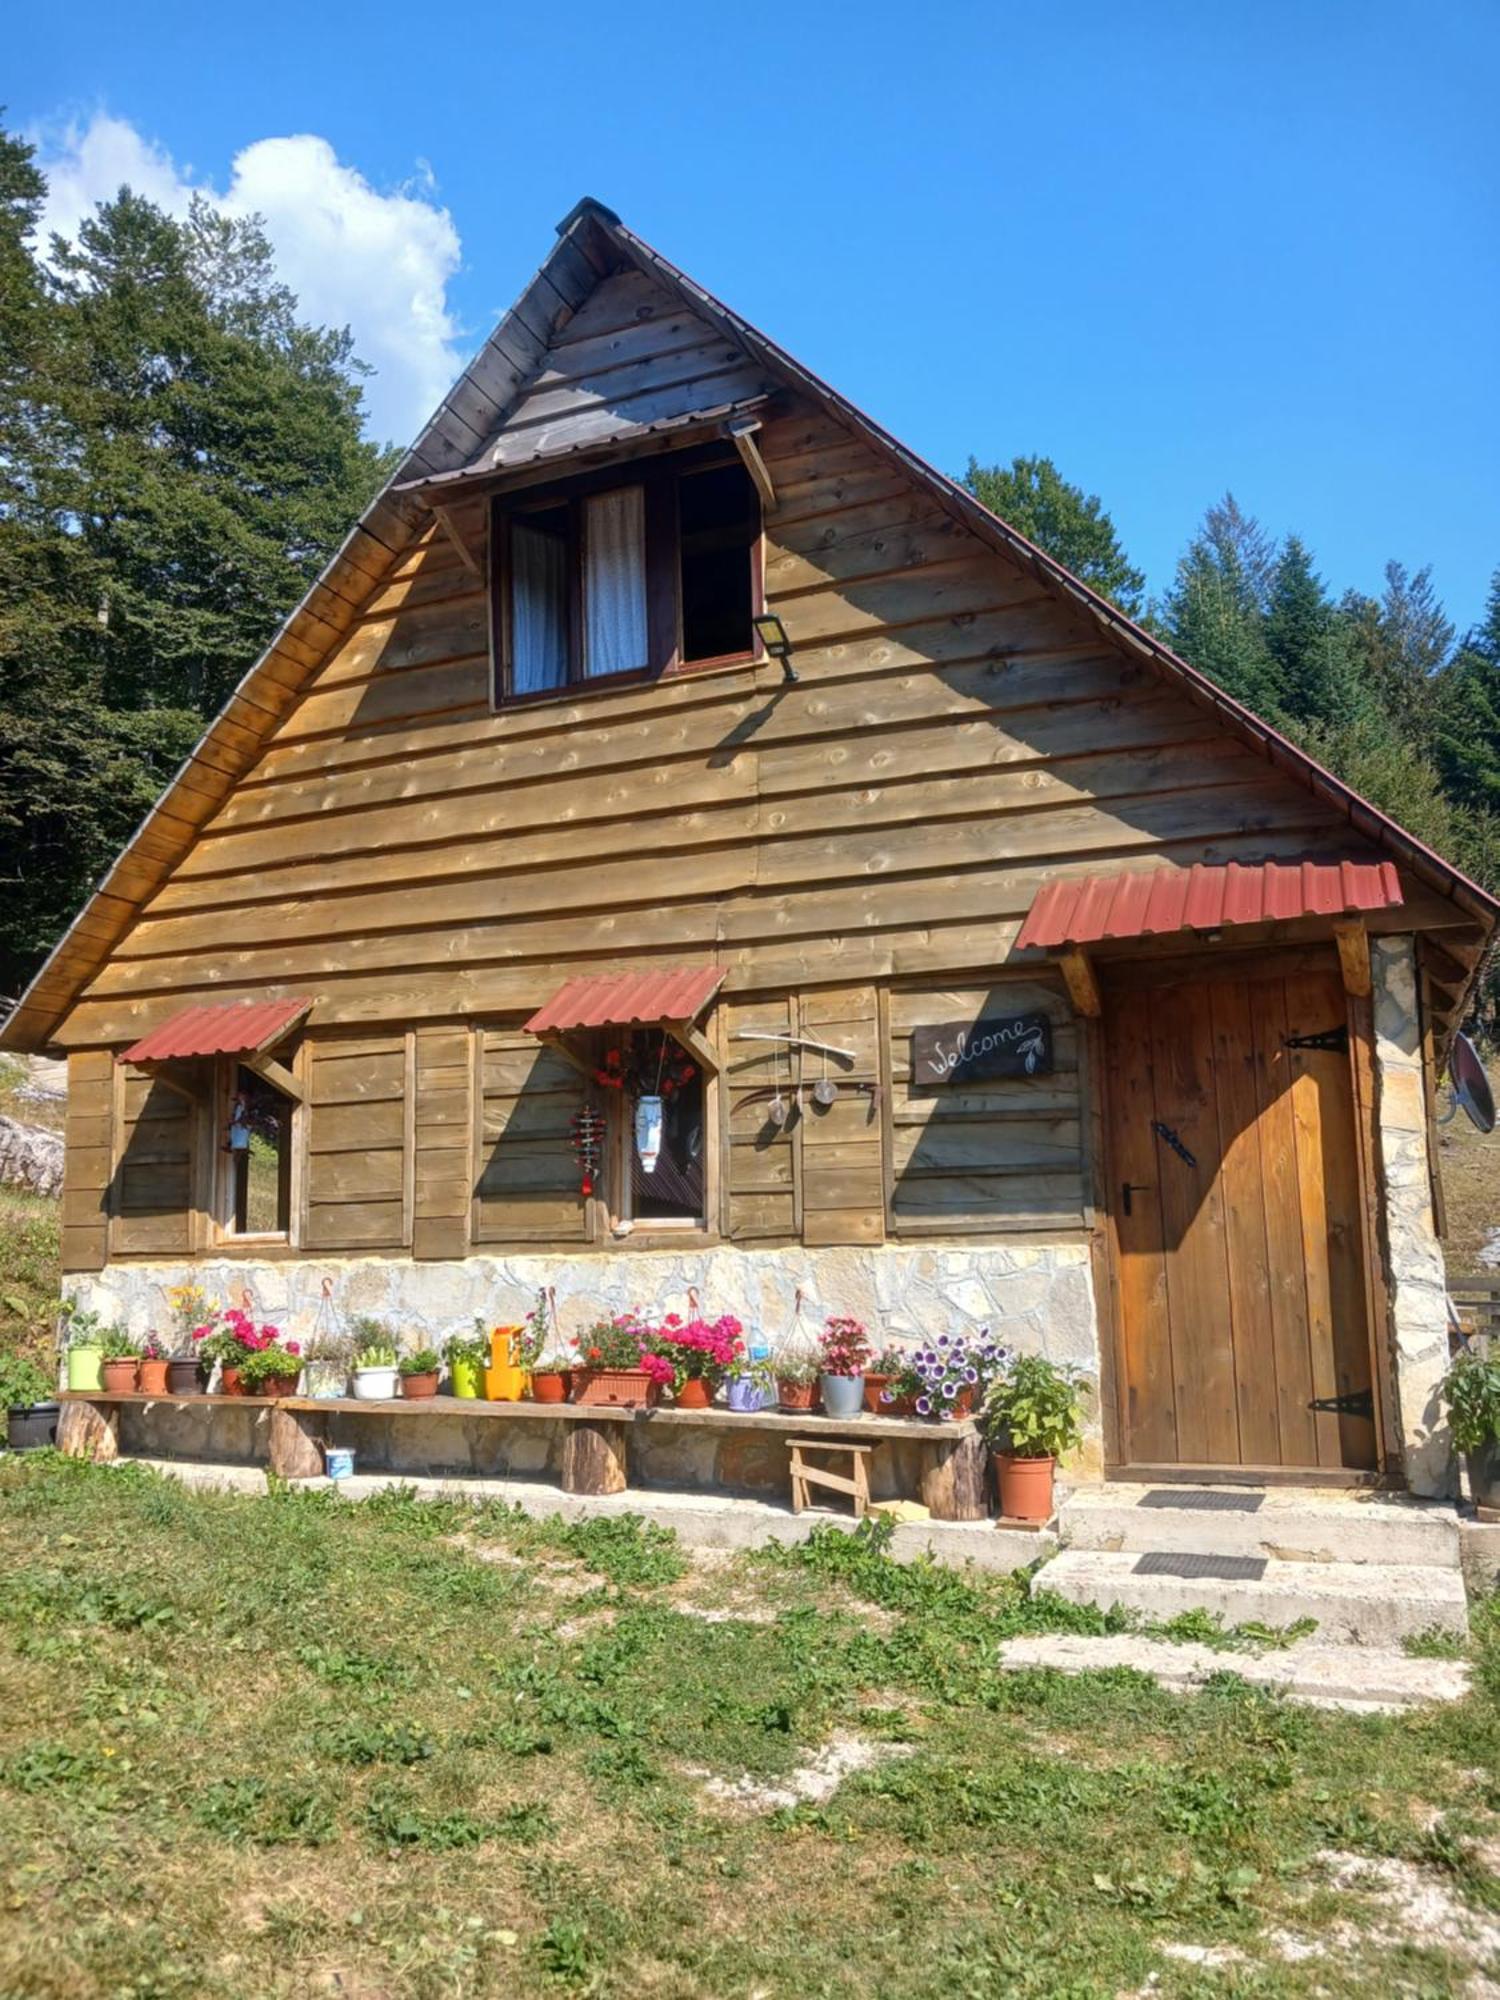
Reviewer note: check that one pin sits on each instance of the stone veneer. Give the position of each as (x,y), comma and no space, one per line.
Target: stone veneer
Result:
(1038,1298)
(1413,1254)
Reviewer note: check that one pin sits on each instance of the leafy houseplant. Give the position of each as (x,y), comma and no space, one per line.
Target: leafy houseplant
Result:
(375,1372)
(26,1407)
(893,1388)
(796,1383)
(750,1384)
(420,1374)
(119,1366)
(272,1370)
(846,1355)
(1030,1419)
(1471,1389)
(617,1363)
(83,1337)
(467,1354)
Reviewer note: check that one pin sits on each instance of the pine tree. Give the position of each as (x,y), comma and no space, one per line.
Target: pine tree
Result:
(1317,667)
(1214,614)
(1031,495)
(1466,713)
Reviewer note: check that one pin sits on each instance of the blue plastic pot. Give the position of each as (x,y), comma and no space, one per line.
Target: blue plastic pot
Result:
(748,1396)
(843,1395)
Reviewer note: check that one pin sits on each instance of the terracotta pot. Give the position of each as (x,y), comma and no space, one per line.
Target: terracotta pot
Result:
(550,1386)
(280,1385)
(1025,1486)
(119,1377)
(899,1406)
(695,1394)
(417,1388)
(229,1381)
(153,1378)
(184,1378)
(797,1396)
(873,1386)
(621,1388)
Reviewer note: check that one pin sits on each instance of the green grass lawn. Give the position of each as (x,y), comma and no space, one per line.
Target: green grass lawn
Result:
(300,1746)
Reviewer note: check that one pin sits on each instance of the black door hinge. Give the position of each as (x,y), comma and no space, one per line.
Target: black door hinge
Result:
(1169,1138)
(1353,1403)
(1334,1040)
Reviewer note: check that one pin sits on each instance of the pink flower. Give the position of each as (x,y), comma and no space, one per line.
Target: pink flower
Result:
(293,1347)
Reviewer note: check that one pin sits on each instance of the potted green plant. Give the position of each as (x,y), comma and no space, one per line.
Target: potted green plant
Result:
(617,1364)
(272,1370)
(219,1343)
(750,1384)
(119,1369)
(26,1407)
(375,1373)
(1030,1418)
(796,1383)
(552,1377)
(83,1338)
(468,1355)
(846,1354)
(900,1384)
(1471,1389)
(420,1374)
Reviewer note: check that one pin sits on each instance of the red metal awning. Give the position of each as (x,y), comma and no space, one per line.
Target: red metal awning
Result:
(1151,902)
(619,999)
(220,1028)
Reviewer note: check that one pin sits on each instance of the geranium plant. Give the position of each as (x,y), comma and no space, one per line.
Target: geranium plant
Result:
(537,1330)
(699,1349)
(846,1346)
(623,1341)
(230,1335)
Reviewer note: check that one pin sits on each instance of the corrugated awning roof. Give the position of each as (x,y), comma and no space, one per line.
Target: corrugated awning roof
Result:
(1150,902)
(220,1028)
(618,999)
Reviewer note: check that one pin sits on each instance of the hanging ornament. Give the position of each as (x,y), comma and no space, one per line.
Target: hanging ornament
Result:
(237,1139)
(648,1122)
(587,1127)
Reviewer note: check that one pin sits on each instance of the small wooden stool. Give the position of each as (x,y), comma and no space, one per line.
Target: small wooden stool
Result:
(805,1475)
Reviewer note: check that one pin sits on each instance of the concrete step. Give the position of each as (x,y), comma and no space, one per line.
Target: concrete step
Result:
(1366,1680)
(1372,1604)
(1288,1524)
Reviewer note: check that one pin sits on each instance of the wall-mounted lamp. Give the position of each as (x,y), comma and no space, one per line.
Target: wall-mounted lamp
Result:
(772,634)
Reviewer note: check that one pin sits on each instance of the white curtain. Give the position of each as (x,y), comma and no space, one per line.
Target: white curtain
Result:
(614,581)
(538,609)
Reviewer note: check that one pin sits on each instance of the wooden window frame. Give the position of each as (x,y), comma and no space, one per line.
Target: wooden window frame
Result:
(620,1223)
(660,479)
(224,1235)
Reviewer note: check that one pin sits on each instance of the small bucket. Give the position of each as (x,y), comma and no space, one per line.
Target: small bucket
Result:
(338,1461)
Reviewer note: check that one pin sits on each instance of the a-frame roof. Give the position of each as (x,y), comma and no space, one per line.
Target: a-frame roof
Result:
(496,421)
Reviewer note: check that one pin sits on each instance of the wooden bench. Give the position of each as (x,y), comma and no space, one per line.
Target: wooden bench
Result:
(805,1475)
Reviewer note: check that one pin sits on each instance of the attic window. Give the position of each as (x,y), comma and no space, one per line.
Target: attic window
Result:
(615,576)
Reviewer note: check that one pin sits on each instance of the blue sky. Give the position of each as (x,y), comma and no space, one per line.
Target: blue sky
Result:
(1177,247)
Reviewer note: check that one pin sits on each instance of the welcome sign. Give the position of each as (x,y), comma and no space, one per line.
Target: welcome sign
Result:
(1010,1045)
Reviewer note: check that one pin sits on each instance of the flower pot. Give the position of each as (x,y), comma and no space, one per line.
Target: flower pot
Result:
(1025,1486)
(119,1377)
(468,1380)
(843,1395)
(962,1405)
(326,1379)
(620,1388)
(899,1406)
(874,1384)
(229,1380)
(550,1385)
(32,1426)
(184,1378)
(153,1378)
(281,1385)
(798,1397)
(83,1367)
(505,1384)
(748,1396)
(1484,1474)
(417,1388)
(375,1385)
(695,1394)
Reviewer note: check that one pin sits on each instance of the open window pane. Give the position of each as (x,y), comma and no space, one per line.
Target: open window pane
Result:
(719,521)
(539,549)
(673,1191)
(260,1157)
(614,582)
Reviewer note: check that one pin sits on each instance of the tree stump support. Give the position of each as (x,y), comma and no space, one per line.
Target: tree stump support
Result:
(90,1430)
(593,1458)
(953,1470)
(296,1443)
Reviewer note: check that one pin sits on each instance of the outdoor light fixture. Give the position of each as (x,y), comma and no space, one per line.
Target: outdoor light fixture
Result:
(772,635)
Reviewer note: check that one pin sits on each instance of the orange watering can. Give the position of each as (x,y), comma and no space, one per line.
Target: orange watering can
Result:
(505,1378)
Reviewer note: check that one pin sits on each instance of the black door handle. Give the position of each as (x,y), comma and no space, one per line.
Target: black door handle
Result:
(1128,1188)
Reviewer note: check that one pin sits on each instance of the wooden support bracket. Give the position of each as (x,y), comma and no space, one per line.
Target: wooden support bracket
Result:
(278,1074)
(1082,985)
(559,1047)
(1354,956)
(697,1044)
(445,522)
(742,430)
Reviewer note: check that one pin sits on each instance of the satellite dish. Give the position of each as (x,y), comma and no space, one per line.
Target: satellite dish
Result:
(1471,1087)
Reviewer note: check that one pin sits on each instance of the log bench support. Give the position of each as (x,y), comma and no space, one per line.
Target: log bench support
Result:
(952,1478)
(857,1485)
(296,1443)
(593,1458)
(90,1430)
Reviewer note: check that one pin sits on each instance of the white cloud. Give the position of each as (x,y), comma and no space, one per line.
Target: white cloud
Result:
(378,263)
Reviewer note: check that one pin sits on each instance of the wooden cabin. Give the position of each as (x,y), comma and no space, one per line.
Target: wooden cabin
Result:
(664,722)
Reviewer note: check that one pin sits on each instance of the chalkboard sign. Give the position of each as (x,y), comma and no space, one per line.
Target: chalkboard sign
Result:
(1009,1045)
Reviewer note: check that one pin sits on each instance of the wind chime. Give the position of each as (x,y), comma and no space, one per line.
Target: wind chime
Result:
(587,1127)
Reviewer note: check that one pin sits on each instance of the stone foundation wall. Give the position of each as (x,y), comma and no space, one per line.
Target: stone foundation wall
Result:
(1413,1254)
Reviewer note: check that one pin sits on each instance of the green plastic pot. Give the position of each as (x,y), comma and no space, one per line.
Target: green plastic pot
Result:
(83,1367)
(468,1379)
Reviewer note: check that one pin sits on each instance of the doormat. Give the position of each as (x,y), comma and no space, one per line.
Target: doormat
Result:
(1216,1502)
(1228,1569)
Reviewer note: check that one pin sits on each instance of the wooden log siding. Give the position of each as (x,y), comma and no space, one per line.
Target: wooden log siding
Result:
(990,1154)
(526,1179)
(443,1129)
(359,1144)
(761,1180)
(154,1191)
(88,1160)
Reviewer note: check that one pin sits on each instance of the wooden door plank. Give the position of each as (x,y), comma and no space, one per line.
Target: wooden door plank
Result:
(1148,1415)
(1307,1012)
(1193,1229)
(1286,1273)
(1245,1224)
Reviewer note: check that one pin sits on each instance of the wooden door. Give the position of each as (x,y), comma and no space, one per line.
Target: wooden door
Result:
(1242,1317)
